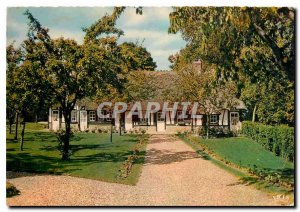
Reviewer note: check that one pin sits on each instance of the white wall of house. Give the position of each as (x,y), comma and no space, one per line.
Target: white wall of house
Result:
(55,120)
(197,120)
(83,119)
(169,118)
(117,121)
(225,121)
(50,118)
(128,121)
(152,118)
(161,126)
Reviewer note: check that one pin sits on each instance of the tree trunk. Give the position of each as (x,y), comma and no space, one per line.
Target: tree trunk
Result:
(36,118)
(11,121)
(16,128)
(192,123)
(207,127)
(254,113)
(223,117)
(22,134)
(66,142)
(120,127)
(10,125)
(111,130)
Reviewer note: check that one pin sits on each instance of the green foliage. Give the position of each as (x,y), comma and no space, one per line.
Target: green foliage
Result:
(197,83)
(105,25)
(137,153)
(249,45)
(13,60)
(11,190)
(227,36)
(140,86)
(69,72)
(219,132)
(137,57)
(276,177)
(277,139)
(62,136)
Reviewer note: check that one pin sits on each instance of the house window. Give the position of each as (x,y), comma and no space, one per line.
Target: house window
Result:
(109,115)
(55,115)
(160,117)
(92,116)
(180,117)
(106,116)
(73,116)
(143,121)
(214,119)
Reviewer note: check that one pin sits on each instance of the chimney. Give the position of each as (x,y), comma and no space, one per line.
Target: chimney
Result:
(197,64)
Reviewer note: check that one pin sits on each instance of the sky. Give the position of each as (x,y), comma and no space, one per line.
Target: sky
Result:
(150,29)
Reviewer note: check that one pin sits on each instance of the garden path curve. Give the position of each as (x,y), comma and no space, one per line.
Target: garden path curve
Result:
(173,175)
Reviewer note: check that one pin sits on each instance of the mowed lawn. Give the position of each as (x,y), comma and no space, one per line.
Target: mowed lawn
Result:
(245,153)
(93,155)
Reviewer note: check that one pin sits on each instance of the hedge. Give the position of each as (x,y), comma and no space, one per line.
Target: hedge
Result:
(277,139)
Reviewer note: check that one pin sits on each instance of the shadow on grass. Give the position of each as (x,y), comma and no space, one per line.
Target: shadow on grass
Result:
(141,157)
(34,136)
(25,162)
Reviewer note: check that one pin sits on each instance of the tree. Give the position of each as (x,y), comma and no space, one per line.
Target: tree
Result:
(137,57)
(257,43)
(23,89)
(140,86)
(13,60)
(198,84)
(71,72)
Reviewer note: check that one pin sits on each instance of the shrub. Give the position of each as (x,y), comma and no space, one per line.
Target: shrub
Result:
(11,190)
(62,137)
(277,139)
(127,165)
(201,130)
(214,131)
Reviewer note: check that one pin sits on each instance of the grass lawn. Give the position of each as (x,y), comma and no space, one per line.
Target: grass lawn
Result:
(93,156)
(30,126)
(245,153)
(242,153)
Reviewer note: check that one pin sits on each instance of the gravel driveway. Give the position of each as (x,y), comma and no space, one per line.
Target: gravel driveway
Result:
(173,175)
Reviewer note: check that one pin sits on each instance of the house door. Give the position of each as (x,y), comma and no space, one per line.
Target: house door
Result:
(55,120)
(83,120)
(161,122)
(122,121)
(234,120)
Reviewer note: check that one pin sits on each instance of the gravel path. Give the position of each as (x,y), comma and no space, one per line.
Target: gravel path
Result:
(173,175)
